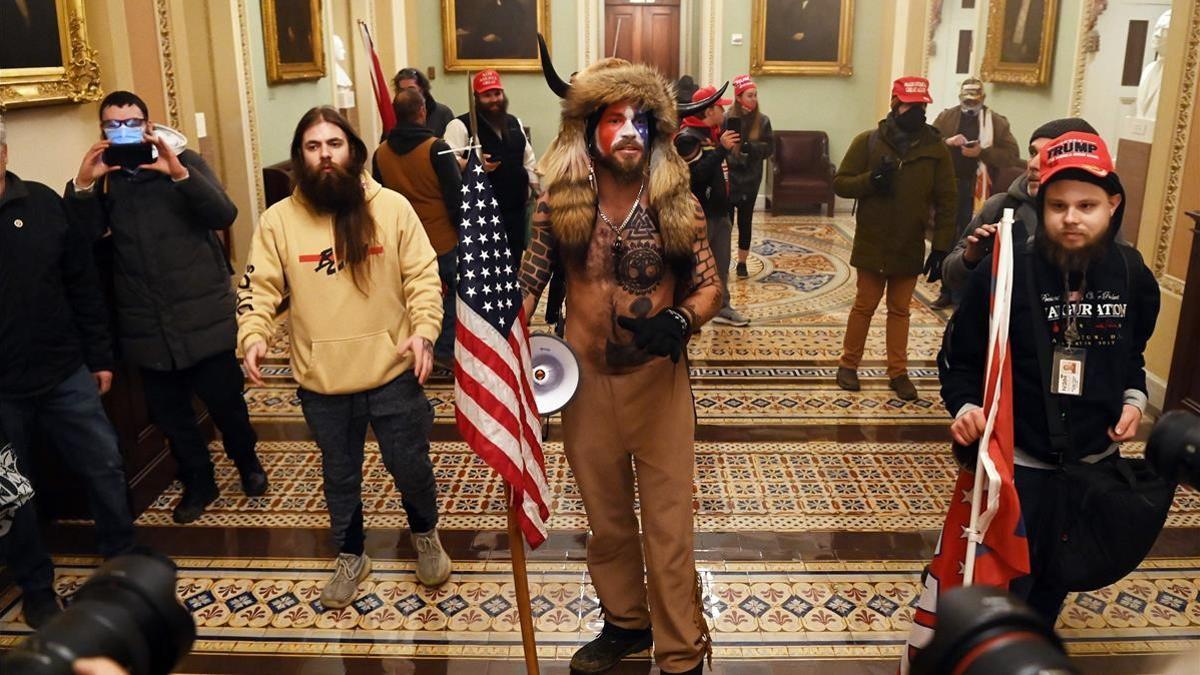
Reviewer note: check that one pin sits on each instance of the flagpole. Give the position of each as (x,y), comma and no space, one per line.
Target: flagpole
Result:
(516,544)
(1003,238)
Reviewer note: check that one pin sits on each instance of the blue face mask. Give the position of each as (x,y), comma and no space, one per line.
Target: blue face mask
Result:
(124,135)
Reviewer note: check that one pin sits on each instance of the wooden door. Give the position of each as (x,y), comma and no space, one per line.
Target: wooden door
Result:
(643,33)
(1183,385)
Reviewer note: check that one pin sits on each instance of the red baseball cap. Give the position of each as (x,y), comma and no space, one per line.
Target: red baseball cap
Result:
(741,84)
(911,90)
(709,90)
(486,80)
(1074,150)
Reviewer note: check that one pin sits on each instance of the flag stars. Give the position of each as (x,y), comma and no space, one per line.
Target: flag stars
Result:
(478,170)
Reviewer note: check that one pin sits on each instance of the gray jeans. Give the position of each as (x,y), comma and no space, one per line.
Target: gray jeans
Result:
(720,232)
(402,419)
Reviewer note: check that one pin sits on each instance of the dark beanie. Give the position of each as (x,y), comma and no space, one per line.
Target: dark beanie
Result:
(1055,128)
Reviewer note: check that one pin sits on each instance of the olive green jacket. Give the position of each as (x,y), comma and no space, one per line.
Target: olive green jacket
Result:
(889,237)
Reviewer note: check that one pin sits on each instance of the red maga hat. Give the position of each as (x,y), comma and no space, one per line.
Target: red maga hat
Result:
(912,90)
(707,91)
(742,84)
(1075,150)
(486,80)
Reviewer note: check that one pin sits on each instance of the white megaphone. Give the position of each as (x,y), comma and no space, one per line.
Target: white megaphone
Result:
(555,372)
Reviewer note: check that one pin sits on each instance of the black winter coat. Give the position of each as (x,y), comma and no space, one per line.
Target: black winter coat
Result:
(174,295)
(52,315)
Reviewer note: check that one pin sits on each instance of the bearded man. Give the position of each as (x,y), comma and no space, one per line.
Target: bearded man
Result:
(1083,307)
(505,151)
(364,313)
(619,216)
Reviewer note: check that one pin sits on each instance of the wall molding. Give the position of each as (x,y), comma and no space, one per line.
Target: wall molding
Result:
(711,12)
(1180,131)
(934,12)
(250,119)
(166,55)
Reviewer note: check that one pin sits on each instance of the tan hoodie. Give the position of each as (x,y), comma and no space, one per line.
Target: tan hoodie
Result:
(343,341)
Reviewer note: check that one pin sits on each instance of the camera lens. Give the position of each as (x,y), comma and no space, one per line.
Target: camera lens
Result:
(983,631)
(127,611)
(1174,447)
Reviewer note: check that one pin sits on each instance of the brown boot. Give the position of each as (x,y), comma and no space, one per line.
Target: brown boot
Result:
(847,378)
(903,387)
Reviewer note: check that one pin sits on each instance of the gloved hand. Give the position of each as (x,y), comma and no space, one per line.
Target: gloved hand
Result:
(933,266)
(661,335)
(882,177)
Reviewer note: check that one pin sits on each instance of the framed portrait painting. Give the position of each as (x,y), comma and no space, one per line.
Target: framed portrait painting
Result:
(500,34)
(802,37)
(1020,41)
(293,36)
(45,56)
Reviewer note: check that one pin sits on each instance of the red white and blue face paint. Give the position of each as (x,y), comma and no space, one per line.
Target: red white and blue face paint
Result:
(622,126)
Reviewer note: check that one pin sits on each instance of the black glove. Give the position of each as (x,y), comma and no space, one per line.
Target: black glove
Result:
(881,178)
(661,335)
(933,266)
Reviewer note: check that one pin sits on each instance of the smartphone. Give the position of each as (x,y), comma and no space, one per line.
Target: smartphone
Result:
(129,155)
(734,124)
(971,144)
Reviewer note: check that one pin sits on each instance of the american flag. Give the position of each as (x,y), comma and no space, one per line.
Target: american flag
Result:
(492,386)
(1001,551)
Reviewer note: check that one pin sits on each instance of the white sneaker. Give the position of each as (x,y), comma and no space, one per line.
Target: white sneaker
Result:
(433,565)
(731,317)
(349,571)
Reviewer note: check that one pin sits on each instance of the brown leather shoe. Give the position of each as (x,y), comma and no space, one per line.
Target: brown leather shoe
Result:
(847,378)
(904,388)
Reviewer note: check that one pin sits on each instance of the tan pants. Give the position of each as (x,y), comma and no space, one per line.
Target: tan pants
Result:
(870,290)
(641,421)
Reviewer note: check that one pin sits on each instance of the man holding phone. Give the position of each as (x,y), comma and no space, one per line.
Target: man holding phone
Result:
(173,291)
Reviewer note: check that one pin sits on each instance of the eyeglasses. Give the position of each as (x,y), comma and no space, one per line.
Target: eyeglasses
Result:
(132,123)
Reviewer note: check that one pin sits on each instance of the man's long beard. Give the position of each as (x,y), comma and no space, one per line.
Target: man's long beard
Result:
(496,116)
(624,171)
(338,191)
(1069,260)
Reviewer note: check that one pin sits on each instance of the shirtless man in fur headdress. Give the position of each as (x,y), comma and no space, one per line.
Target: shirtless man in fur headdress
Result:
(620,217)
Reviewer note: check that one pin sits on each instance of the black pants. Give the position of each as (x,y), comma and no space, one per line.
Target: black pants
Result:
(1037,491)
(514,229)
(217,381)
(966,204)
(741,212)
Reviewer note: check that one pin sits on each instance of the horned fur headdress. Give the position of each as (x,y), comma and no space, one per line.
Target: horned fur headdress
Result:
(566,166)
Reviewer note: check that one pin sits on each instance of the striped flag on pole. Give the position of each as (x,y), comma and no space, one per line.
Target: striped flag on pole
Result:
(493,390)
(383,99)
(983,539)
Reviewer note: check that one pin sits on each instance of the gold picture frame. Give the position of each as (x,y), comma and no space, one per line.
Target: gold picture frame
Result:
(1011,55)
(68,74)
(294,40)
(782,50)
(461,50)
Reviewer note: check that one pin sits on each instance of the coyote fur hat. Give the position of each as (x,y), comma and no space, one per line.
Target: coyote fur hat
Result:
(567,164)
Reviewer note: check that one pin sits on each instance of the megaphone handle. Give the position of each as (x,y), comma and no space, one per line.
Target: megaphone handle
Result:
(545,428)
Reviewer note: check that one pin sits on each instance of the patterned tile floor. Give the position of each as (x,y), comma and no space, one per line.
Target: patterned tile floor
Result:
(760,487)
(755,610)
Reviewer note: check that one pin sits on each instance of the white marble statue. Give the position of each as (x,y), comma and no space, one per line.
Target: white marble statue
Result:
(1151,82)
(345,85)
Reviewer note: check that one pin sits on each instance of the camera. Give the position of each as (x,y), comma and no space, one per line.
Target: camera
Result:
(984,631)
(127,611)
(1174,448)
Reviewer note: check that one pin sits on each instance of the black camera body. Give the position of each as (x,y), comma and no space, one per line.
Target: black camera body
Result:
(127,611)
(1174,448)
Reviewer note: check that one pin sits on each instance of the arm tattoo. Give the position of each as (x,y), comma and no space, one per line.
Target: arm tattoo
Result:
(537,262)
(704,294)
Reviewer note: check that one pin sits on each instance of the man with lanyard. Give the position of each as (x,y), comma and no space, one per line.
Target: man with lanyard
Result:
(640,280)
(506,153)
(1083,307)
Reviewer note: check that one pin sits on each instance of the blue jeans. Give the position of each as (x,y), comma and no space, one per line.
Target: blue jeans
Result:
(73,419)
(402,419)
(447,263)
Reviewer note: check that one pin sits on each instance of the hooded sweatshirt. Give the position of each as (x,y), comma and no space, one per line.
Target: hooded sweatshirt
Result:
(1116,317)
(342,340)
(412,163)
(955,269)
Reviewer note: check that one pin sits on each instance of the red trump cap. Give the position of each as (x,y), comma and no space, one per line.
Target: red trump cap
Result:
(911,90)
(486,80)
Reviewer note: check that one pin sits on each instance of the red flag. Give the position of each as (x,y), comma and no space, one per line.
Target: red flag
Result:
(383,99)
(493,391)
(1000,552)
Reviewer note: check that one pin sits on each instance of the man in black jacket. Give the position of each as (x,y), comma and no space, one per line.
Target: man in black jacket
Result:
(437,114)
(175,300)
(1078,331)
(55,362)
(706,149)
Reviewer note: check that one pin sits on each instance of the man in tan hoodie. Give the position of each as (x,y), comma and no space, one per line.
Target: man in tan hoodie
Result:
(365,308)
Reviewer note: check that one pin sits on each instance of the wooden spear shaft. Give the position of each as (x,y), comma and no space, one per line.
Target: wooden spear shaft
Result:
(516,543)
